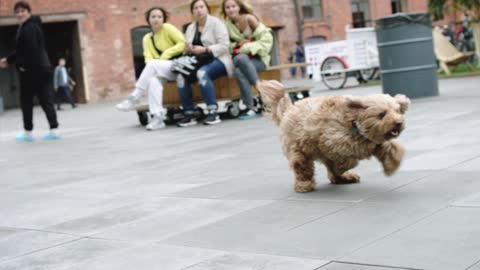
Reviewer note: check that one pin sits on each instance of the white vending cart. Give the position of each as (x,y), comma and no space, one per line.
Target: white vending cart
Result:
(332,62)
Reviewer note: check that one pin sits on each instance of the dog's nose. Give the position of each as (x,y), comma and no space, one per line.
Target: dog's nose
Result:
(398,123)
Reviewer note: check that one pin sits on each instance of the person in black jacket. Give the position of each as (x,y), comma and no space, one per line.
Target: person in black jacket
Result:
(31,60)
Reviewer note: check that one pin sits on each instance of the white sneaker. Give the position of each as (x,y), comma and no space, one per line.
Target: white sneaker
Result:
(156,123)
(128,104)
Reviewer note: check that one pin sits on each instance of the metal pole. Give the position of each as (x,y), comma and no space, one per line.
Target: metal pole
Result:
(299,16)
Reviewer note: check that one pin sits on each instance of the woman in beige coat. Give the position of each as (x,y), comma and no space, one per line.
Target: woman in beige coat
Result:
(207,38)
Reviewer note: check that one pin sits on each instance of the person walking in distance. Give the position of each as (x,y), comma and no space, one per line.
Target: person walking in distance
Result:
(35,71)
(62,83)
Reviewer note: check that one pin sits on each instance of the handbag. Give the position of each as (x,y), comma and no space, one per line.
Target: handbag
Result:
(188,65)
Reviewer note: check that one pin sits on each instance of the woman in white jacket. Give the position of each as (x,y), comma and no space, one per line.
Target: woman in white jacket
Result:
(207,38)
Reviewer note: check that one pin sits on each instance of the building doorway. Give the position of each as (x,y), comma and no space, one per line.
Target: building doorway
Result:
(62,40)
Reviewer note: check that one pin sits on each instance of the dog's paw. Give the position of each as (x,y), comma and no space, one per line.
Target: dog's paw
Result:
(347,178)
(392,159)
(304,186)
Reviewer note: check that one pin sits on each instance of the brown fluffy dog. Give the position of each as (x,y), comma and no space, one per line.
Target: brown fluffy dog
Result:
(338,130)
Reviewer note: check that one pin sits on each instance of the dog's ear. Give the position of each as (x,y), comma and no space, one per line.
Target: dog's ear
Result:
(404,102)
(355,103)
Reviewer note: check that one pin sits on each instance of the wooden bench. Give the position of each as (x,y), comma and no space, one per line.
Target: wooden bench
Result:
(226,89)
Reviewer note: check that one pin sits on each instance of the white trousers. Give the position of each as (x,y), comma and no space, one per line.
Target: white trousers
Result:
(155,74)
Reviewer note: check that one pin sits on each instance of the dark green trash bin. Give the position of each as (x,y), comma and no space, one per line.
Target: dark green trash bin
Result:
(407,59)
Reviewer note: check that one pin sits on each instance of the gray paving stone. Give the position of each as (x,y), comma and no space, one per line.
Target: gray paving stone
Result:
(328,236)
(42,209)
(475,267)
(438,190)
(178,215)
(346,266)
(371,184)
(470,165)
(24,242)
(239,261)
(443,158)
(448,239)
(64,256)
(5,232)
(469,201)
(149,257)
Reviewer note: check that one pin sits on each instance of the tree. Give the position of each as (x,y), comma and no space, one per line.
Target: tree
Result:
(469,7)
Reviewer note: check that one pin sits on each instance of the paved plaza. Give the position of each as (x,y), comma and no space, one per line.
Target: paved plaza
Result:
(111,196)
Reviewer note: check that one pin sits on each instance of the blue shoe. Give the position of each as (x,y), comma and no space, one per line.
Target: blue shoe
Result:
(250,114)
(25,137)
(52,135)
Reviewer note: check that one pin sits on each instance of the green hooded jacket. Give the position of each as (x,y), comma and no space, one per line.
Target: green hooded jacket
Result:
(261,46)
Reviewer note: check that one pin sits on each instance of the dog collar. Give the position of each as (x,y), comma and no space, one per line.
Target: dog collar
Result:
(357,130)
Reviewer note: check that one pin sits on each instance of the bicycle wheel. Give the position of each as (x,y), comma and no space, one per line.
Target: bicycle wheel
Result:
(333,73)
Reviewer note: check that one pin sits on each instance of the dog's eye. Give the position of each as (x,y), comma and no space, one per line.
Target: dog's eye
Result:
(382,114)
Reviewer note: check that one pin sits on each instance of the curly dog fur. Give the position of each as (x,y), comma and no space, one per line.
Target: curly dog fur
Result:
(337,130)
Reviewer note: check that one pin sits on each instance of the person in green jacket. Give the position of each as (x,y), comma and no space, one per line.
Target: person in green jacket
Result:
(159,47)
(250,44)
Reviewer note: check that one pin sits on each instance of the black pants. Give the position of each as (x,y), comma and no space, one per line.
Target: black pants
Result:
(37,83)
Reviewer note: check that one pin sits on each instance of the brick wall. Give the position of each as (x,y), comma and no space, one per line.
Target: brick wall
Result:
(105,39)
(106,43)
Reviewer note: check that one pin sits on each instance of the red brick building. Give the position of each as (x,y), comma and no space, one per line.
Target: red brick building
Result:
(96,36)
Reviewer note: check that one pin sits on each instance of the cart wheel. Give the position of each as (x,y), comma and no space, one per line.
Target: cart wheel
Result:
(367,74)
(257,102)
(333,73)
(233,110)
(143,117)
(294,97)
(169,116)
(199,114)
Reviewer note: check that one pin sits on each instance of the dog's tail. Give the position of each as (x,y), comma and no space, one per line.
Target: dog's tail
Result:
(274,99)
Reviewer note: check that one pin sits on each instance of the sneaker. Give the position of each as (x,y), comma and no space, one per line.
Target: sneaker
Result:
(250,114)
(212,118)
(25,136)
(156,123)
(188,120)
(52,135)
(128,104)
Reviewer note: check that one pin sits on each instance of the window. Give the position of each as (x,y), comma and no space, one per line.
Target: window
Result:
(360,13)
(312,9)
(399,6)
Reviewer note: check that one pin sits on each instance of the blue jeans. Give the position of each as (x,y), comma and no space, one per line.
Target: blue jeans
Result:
(246,72)
(205,75)
(64,90)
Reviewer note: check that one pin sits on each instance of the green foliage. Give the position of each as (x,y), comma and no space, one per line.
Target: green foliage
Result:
(436,7)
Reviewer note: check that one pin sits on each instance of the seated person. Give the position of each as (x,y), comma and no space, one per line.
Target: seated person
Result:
(207,39)
(159,47)
(251,43)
